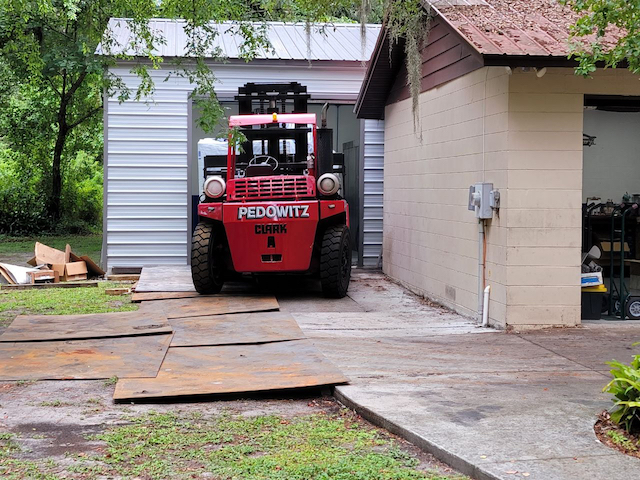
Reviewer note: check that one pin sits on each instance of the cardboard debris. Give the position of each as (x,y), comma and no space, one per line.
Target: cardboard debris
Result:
(14,274)
(66,266)
(44,276)
(72,271)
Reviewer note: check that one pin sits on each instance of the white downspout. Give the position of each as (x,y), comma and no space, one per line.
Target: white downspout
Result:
(485,307)
(480,270)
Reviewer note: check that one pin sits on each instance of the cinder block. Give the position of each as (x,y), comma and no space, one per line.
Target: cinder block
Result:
(546,275)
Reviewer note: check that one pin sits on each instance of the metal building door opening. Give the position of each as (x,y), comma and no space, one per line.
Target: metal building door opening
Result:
(611,200)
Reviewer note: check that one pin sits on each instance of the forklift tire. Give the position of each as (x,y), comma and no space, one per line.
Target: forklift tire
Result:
(633,308)
(335,261)
(207,276)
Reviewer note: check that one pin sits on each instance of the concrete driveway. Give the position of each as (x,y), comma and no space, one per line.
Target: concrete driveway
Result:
(492,405)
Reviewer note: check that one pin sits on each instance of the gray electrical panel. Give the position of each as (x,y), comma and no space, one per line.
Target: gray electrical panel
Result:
(481,199)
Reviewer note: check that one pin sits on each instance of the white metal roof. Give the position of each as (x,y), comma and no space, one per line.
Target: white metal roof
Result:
(289,41)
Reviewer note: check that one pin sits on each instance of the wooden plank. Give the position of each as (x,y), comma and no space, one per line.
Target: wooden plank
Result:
(117,291)
(7,275)
(51,285)
(43,275)
(217,305)
(84,359)
(188,371)
(123,278)
(29,328)
(239,328)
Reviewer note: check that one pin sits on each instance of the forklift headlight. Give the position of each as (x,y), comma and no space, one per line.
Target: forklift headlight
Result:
(214,186)
(328,184)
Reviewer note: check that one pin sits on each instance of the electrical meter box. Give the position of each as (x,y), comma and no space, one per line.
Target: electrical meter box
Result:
(480,200)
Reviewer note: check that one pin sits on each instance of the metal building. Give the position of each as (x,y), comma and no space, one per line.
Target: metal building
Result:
(150,146)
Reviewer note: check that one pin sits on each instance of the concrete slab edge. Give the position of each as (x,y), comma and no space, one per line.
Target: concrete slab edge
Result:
(463,466)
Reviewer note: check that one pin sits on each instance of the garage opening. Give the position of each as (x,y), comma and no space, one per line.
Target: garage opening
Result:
(346,140)
(611,196)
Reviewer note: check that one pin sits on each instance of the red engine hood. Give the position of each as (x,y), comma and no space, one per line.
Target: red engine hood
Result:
(271,236)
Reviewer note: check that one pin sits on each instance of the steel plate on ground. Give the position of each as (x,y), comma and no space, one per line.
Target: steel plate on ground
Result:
(238,288)
(216,305)
(239,328)
(84,359)
(166,278)
(147,296)
(234,369)
(27,328)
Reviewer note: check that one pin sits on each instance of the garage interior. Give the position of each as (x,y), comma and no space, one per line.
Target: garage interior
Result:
(610,220)
(347,135)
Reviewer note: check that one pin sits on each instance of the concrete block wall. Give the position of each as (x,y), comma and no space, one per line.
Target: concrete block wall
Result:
(543,202)
(524,134)
(430,238)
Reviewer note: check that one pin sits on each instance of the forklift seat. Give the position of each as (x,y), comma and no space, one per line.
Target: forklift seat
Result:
(259,170)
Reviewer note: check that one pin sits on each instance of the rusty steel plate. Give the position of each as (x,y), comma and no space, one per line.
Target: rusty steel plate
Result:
(234,369)
(166,278)
(27,328)
(217,305)
(84,359)
(147,296)
(239,328)
(227,289)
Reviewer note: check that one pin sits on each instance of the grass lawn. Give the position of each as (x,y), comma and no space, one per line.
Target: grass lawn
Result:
(22,247)
(62,301)
(337,446)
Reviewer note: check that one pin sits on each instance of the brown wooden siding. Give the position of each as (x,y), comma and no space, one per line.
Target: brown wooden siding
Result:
(445,57)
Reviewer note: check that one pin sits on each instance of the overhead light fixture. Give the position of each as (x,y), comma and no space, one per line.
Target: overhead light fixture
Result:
(508,70)
(540,72)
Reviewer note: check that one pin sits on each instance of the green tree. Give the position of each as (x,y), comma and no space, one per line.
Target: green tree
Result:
(607,32)
(56,82)
(48,48)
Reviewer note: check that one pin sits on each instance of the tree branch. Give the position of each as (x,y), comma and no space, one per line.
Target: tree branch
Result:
(84,117)
(75,85)
(55,89)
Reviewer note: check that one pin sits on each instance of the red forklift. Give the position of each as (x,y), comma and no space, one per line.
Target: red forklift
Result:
(273,204)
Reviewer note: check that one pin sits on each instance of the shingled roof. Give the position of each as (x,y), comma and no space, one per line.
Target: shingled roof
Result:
(515,33)
(513,27)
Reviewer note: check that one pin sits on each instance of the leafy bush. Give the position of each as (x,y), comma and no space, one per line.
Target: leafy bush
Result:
(625,386)
(24,190)
(22,209)
(82,196)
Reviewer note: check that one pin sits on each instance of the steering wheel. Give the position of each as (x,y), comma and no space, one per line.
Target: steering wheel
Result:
(268,159)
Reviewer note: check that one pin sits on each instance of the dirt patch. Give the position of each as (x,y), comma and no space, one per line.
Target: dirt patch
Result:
(616,437)
(56,440)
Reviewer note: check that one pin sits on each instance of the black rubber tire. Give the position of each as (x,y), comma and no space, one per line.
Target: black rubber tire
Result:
(633,308)
(206,271)
(335,261)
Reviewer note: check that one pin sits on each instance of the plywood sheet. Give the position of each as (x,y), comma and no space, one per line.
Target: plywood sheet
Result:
(84,359)
(217,305)
(239,328)
(28,328)
(234,369)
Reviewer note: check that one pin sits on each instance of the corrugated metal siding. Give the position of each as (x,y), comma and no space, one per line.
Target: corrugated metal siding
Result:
(373,190)
(146,170)
(289,41)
